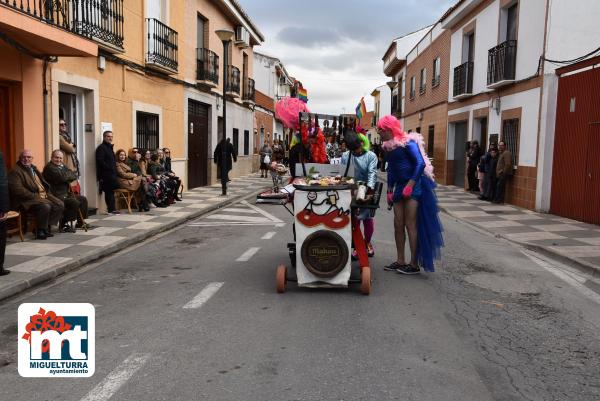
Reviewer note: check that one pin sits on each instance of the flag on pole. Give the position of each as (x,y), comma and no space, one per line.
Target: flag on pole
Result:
(361,109)
(302,94)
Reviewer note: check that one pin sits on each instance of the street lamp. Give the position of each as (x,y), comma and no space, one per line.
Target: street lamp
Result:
(225,35)
(392,85)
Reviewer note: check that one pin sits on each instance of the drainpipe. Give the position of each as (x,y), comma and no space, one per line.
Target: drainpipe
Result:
(45,93)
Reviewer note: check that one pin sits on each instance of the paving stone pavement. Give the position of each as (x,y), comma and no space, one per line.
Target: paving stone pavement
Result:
(32,262)
(568,239)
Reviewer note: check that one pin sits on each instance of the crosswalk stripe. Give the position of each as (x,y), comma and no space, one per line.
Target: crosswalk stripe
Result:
(247,219)
(269,235)
(237,210)
(263,212)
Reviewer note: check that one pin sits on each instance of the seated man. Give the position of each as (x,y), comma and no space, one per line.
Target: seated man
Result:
(60,178)
(29,191)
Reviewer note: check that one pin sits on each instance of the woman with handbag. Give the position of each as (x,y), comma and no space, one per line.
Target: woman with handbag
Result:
(265,159)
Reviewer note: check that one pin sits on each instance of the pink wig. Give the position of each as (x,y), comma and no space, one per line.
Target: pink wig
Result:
(287,110)
(399,138)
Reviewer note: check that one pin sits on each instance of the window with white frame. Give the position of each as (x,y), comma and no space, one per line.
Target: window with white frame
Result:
(423,81)
(437,70)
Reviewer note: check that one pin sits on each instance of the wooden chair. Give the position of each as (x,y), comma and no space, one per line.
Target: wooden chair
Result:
(16,221)
(127,196)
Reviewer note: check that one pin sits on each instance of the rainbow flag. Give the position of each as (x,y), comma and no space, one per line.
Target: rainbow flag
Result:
(361,109)
(302,94)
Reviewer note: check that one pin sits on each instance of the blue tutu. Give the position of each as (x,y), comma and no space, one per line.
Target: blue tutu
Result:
(429,226)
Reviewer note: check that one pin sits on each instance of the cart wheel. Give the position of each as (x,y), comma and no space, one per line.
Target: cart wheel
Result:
(280,278)
(365,280)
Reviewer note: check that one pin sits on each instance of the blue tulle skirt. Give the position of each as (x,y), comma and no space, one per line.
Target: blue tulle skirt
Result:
(429,226)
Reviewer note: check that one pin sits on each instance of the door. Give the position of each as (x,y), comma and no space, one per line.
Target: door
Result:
(197,144)
(460,140)
(7,138)
(70,109)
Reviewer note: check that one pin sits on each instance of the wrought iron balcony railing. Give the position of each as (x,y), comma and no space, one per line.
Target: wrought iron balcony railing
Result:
(207,67)
(249,93)
(502,61)
(233,80)
(463,80)
(162,45)
(99,20)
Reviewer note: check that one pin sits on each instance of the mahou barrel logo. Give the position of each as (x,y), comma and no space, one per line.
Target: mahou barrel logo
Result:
(56,340)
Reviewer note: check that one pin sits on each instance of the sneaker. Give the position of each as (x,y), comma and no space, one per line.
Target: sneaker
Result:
(408,269)
(115,213)
(370,250)
(392,267)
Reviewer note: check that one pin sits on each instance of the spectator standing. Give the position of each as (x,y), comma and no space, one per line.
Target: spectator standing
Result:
(504,170)
(230,157)
(474,155)
(489,171)
(278,152)
(68,148)
(29,191)
(266,153)
(4,209)
(60,178)
(106,171)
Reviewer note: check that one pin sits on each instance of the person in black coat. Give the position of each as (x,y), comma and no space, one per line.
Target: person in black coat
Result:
(4,208)
(106,171)
(474,155)
(490,179)
(230,157)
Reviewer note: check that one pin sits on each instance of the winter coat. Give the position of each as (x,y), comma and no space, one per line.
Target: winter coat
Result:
(278,153)
(166,163)
(4,199)
(23,189)
(229,155)
(59,178)
(265,150)
(155,170)
(126,178)
(143,165)
(70,152)
(106,166)
(133,163)
(504,166)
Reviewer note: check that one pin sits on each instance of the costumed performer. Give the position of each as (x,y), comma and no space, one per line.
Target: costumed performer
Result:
(365,169)
(411,191)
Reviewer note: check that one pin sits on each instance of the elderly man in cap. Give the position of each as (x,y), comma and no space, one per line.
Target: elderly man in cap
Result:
(30,191)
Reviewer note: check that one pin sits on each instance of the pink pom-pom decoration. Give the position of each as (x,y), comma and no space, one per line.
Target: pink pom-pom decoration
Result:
(287,110)
(407,191)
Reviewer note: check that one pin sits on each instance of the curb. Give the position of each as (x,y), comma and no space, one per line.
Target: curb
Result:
(42,277)
(581,265)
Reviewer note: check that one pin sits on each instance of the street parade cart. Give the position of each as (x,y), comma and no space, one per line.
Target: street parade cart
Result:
(326,228)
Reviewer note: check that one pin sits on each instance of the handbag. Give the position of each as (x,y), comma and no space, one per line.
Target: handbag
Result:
(267,159)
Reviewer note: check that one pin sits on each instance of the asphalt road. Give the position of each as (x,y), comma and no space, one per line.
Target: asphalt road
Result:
(179,317)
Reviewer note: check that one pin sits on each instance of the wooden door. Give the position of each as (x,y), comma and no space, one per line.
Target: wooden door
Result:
(197,144)
(7,134)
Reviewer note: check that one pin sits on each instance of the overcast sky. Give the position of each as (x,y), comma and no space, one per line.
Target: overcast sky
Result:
(334,47)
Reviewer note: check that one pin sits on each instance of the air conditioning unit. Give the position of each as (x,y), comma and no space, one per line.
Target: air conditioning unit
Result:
(242,37)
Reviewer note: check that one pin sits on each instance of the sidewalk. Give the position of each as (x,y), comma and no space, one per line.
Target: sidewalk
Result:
(32,262)
(566,239)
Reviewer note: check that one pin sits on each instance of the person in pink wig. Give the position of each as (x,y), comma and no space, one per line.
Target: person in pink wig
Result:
(411,192)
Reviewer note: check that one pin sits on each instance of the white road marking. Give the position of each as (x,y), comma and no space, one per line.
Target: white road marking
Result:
(203,296)
(239,210)
(230,223)
(264,213)
(248,254)
(115,379)
(269,235)
(245,219)
(569,277)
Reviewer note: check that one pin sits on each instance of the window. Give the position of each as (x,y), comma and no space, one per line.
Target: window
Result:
(236,140)
(412,87)
(423,82)
(146,130)
(436,72)
(430,140)
(246,142)
(511,23)
(494,139)
(468,47)
(510,135)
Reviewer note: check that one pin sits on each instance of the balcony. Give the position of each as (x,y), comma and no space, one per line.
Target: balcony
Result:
(162,47)
(463,81)
(207,67)
(249,93)
(502,61)
(101,21)
(233,81)
(422,88)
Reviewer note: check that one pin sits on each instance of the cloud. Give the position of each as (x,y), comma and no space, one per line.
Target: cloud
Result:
(335,46)
(308,36)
